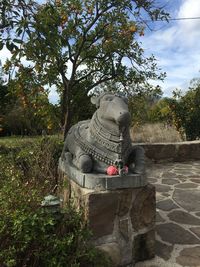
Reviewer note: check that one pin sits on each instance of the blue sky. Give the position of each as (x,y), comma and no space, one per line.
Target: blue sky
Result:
(175,45)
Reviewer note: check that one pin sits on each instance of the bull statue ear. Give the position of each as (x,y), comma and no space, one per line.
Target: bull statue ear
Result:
(95,101)
(125,100)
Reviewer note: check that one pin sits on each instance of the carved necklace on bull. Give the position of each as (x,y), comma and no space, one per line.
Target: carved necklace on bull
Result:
(114,144)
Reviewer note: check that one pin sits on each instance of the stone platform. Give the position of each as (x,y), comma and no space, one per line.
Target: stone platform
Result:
(101,182)
(122,220)
(178,214)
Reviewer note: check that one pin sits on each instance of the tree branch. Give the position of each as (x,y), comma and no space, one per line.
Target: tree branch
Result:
(84,39)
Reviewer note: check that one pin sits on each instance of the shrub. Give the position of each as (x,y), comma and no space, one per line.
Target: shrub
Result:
(32,238)
(186,113)
(155,133)
(28,236)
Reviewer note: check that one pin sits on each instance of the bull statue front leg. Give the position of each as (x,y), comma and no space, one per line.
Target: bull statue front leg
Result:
(83,162)
(136,160)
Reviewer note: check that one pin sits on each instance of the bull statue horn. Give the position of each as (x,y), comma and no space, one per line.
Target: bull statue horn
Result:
(95,100)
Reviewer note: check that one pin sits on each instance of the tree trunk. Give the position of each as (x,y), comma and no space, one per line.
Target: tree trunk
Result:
(65,106)
(67,123)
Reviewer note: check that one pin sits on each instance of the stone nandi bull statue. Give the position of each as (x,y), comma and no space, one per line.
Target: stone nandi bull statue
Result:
(104,141)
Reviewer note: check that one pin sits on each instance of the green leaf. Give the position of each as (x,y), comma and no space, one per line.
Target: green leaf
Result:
(10,46)
(19,41)
(1,45)
(19,31)
(16,13)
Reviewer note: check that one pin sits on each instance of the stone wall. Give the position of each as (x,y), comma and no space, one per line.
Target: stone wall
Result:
(122,221)
(180,151)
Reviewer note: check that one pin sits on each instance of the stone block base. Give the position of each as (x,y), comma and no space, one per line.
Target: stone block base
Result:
(122,221)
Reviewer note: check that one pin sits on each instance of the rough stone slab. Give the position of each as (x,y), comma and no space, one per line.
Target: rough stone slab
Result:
(186,185)
(164,251)
(195,180)
(182,172)
(182,217)
(113,251)
(171,181)
(143,208)
(166,194)
(123,228)
(162,188)
(188,199)
(166,205)
(168,175)
(152,180)
(196,230)
(113,216)
(175,234)
(144,246)
(159,151)
(125,199)
(189,150)
(160,196)
(189,257)
(179,151)
(101,181)
(159,218)
(102,209)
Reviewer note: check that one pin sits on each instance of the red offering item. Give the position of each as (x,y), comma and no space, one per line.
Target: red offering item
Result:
(126,169)
(112,170)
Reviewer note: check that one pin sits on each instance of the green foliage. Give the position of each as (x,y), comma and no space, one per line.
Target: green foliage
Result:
(28,236)
(94,37)
(28,110)
(185,110)
(32,238)
(81,106)
(141,105)
(30,161)
(161,111)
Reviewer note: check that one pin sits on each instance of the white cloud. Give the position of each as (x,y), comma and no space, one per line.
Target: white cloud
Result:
(53,95)
(189,8)
(189,29)
(4,55)
(177,48)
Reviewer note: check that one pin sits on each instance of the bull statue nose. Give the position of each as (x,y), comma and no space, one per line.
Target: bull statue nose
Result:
(124,119)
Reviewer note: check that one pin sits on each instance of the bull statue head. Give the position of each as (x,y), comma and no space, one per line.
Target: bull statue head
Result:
(112,108)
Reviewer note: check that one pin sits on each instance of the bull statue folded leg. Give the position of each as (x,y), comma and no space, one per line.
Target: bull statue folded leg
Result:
(104,141)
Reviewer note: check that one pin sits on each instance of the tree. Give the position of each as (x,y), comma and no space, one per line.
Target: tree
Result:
(30,112)
(142,103)
(5,101)
(81,44)
(185,109)
(161,111)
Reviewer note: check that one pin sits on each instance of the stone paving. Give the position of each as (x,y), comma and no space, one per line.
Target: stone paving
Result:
(178,214)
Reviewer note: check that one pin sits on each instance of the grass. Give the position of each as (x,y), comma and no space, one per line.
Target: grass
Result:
(17,141)
(155,133)
(147,133)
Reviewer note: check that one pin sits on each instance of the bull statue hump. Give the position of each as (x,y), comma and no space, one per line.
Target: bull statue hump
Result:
(95,145)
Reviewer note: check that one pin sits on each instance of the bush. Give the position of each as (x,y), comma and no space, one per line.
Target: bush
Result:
(32,238)
(28,236)
(30,161)
(155,133)
(186,113)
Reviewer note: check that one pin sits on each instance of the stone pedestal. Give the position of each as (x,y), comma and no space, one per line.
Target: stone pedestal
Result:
(122,220)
